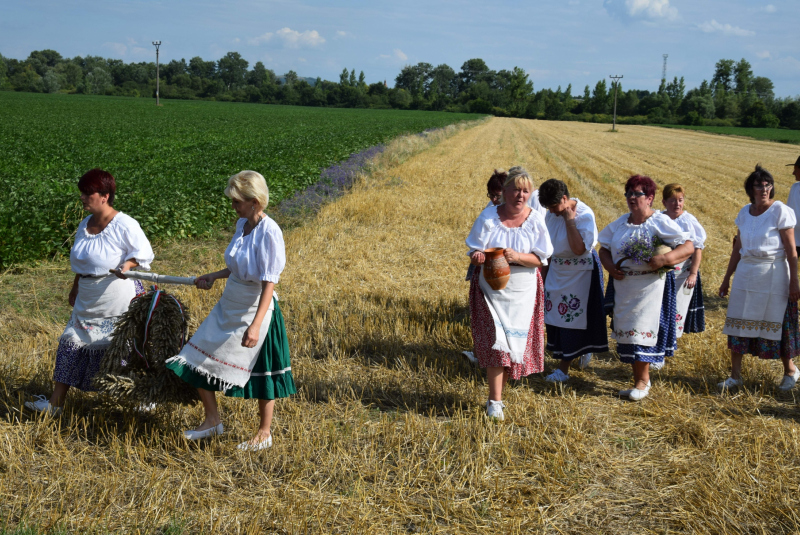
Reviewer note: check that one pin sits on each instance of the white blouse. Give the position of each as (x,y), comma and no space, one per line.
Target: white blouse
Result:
(761,234)
(690,224)
(794,204)
(121,240)
(531,237)
(259,256)
(619,231)
(557,228)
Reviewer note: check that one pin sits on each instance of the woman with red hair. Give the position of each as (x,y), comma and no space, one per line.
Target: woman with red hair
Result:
(641,296)
(106,239)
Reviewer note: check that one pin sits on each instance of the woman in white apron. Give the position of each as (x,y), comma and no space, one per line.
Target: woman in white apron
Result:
(508,324)
(105,240)
(762,309)
(690,315)
(643,299)
(241,348)
(573,288)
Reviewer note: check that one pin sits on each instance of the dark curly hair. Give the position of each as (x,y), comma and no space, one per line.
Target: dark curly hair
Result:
(496,181)
(759,175)
(552,191)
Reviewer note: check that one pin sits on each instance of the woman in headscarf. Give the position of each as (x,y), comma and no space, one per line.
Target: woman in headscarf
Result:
(762,309)
(642,299)
(508,324)
(573,288)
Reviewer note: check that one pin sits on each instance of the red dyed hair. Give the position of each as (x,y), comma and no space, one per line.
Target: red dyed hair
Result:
(645,182)
(98,181)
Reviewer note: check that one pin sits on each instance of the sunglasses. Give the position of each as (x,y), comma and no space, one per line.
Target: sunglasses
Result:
(762,187)
(629,194)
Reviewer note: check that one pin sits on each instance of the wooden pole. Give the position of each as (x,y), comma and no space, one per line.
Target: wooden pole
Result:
(616,83)
(158,78)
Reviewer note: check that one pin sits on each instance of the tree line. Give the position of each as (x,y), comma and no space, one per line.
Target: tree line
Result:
(733,96)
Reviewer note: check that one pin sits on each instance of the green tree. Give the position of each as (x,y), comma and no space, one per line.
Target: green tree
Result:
(764,88)
(353,82)
(290,78)
(472,71)
(232,69)
(50,82)
(98,81)
(743,75)
(519,90)
(202,69)
(723,75)
(344,78)
(600,98)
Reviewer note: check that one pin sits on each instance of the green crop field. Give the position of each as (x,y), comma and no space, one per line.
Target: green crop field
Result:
(170,163)
(781,135)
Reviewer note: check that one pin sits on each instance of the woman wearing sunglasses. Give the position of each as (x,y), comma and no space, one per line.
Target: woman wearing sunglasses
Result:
(642,299)
(762,309)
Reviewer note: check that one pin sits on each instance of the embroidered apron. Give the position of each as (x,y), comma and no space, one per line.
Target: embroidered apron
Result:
(566,291)
(637,306)
(100,301)
(759,295)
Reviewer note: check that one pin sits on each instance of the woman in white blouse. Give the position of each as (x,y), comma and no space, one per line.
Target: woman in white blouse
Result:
(573,288)
(508,324)
(762,309)
(105,240)
(643,300)
(241,348)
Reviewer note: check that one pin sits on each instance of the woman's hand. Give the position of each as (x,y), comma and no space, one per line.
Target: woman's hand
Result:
(569,212)
(126,266)
(73,295)
(616,274)
(657,262)
(477,258)
(205,282)
(691,280)
(512,256)
(250,338)
(794,291)
(723,288)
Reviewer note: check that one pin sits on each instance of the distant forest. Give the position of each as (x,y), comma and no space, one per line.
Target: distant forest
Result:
(734,96)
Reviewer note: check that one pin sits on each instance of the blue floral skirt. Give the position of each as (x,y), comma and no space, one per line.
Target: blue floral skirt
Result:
(667,329)
(567,344)
(787,347)
(696,316)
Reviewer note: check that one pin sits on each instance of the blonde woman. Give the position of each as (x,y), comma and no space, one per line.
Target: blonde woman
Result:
(508,324)
(241,348)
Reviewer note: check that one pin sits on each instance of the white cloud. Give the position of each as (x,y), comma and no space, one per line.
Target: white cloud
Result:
(290,38)
(713,26)
(641,9)
(301,60)
(341,33)
(396,54)
(763,55)
(118,48)
(769,8)
(237,40)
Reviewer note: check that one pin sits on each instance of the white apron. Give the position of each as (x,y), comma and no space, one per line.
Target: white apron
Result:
(512,310)
(683,295)
(637,307)
(566,291)
(216,349)
(759,295)
(100,302)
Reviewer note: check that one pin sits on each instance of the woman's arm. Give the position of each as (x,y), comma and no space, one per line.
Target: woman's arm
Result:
(126,266)
(73,293)
(736,255)
(523,259)
(608,263)
(697,257)
(574,237)
(787,237)
(250,338)
(205,282)
(675,256)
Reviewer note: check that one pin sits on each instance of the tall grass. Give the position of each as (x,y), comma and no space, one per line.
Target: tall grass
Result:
(387,433)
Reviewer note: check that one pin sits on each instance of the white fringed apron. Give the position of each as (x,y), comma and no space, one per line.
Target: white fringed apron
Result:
(512,310)
(637,307)
(683,295)
(215,350)
(759,295)
(100,301)
(566,291)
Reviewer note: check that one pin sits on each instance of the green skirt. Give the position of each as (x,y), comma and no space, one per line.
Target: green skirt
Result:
(271,377)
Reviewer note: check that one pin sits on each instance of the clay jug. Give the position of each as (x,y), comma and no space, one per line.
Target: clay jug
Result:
(495,269)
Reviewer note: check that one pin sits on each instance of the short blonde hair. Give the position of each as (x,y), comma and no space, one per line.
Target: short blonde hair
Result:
(518,176)
(670,190)
(248,186)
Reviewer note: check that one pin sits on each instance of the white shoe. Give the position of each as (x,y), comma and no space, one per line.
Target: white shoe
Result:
(494,409)
(264,444)
(557,377)
(788,381)
(637,394)
(147,407)
(584,361)
(470,356)
(191,434)
(657,365)
(42,404)
(629,391)
(729,384)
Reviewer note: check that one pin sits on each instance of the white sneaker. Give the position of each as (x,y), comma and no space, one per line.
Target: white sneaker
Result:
(657,365)
(637,394)
(557,377)
(470,357)
(788,381)
(42,404)
(627,393)
(729,384)
(264,444)
(192,434)
(584,361)
(494,409)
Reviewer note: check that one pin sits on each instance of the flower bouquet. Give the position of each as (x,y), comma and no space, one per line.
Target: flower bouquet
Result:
(641,248)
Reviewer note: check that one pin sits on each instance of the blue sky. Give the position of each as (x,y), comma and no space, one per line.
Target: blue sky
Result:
(556,42)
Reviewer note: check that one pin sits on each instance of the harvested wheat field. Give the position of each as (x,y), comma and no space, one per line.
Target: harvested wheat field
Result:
(387,433)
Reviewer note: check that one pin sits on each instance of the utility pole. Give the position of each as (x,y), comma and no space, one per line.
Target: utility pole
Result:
(157,44)
(616,83)
(664,68)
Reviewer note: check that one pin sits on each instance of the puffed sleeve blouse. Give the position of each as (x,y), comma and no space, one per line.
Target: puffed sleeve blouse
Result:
(259,256)
(531,237)
(619,231)
(121,240)
(584,222)
(690,224)
(761,234)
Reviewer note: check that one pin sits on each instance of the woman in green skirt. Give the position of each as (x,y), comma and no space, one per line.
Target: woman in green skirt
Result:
(241,348)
